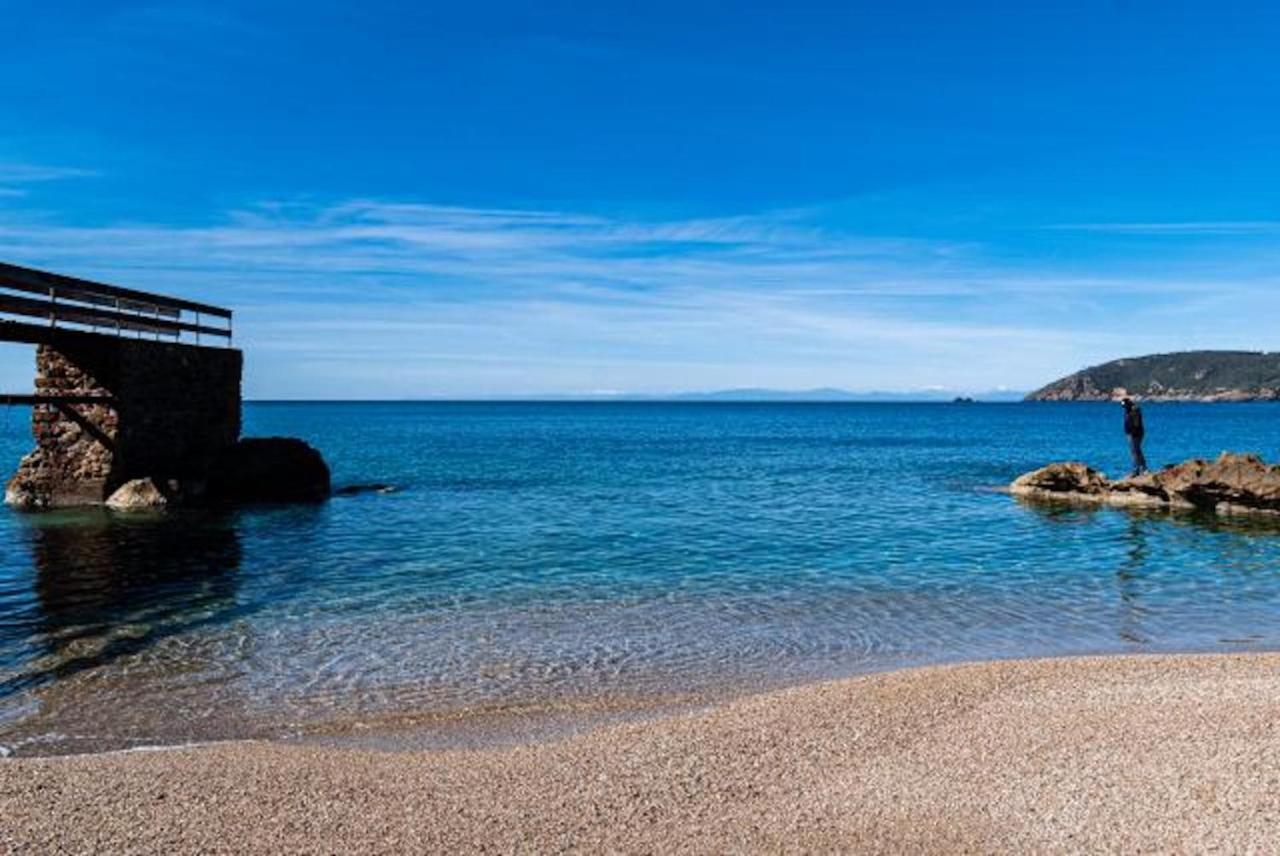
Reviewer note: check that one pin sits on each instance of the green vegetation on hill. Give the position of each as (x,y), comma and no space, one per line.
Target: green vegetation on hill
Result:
(1185,376)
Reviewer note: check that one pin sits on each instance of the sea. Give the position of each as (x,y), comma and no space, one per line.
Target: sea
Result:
(565,556)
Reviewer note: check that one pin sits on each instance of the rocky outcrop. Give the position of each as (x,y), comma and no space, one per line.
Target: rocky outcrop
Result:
(269,469)
(1232,484)
(1215,376)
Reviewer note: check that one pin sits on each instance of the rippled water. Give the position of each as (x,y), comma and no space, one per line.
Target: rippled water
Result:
(552,551)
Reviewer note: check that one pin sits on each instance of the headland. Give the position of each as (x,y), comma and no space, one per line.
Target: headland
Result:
(1209,376)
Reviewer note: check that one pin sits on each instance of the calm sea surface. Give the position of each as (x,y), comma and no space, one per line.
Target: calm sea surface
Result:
(538,552)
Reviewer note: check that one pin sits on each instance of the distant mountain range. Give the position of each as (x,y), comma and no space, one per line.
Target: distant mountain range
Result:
(745,394)
(754,394)
(1184,376)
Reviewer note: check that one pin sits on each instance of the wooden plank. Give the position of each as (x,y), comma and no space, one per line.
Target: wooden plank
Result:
(7,399)
(64,312)
(42,282)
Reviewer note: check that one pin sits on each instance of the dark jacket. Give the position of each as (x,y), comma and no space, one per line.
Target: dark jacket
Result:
(1133,422)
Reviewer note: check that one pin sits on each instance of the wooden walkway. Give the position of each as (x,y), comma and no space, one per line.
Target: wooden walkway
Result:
(38,307)
(65,302)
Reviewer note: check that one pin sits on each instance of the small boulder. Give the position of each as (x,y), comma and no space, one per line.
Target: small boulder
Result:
(138,495)
(269,469)
(1071,480)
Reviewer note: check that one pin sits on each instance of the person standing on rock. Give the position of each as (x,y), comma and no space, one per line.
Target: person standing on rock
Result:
(1136,431)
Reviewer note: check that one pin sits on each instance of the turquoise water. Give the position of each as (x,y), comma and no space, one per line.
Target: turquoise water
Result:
(537,552)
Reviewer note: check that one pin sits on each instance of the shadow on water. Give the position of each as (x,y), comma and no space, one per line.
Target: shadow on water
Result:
(1133,561)
(106,586)
(1129,580)
(1137,540)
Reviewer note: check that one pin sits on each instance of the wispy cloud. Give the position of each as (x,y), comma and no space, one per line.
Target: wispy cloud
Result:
(1206,227)
(395,298)
(412,248)
(26,173)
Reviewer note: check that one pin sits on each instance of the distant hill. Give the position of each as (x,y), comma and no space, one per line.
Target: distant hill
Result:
(1185,376)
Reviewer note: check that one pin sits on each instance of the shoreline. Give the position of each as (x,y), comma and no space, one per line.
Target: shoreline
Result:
(531,720)
(1123,751)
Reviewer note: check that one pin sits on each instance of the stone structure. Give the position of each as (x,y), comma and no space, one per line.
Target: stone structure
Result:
(173,408)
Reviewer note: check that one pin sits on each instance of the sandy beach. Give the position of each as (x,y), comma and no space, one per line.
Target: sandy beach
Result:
(1161,753)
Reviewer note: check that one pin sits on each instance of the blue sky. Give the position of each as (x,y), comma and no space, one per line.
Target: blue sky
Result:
(426,200)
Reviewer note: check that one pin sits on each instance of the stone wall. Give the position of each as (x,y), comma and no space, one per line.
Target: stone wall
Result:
(175,408)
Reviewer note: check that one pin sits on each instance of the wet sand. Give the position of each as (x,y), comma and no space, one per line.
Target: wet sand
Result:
(1118,753)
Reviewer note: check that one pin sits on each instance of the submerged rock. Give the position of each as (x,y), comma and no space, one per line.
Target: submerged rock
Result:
(138,495)
(357,489)
(269,469)
(1233,484)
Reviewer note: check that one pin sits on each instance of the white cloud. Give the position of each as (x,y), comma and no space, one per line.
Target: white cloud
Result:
(371,298)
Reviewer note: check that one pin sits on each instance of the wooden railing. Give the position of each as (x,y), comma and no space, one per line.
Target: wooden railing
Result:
(62,301)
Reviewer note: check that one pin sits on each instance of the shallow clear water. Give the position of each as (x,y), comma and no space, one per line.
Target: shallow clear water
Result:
(552,551)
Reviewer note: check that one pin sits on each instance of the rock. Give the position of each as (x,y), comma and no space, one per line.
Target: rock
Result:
(138,495)
(1227,509)
(269,469)
(357,489)
(1234,484)
(1063,481)
(1239,481)
(1145,490)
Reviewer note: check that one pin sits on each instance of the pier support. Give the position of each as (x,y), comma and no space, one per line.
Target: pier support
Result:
(168,410)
